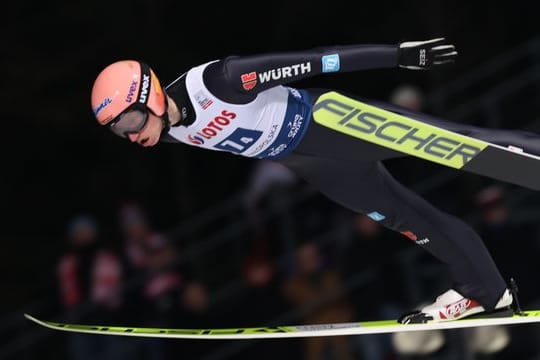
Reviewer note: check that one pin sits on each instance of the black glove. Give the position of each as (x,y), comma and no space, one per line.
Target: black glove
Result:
(421,55)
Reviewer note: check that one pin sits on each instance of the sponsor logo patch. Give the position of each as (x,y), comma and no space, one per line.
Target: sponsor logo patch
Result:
(203,100)
(376,216)
(251,79)
(102,106)
(330,63)
(422,57)
(410,235)
(295,125)
(212,128)
(456,309)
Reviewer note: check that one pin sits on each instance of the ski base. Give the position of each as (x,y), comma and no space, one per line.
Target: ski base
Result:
(353,328)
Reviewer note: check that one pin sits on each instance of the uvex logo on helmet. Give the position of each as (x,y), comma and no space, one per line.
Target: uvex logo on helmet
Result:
(144,89)
(131,92)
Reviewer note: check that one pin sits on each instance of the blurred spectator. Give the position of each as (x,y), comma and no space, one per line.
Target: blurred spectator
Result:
(258,268)
(266,176)
(90,283)
(513,243)
(195,298)
(500,229)
(259,275)
(370,250)
(162,289)
(409,97)
(154,284)
(135,229)
(137,234)
(267,198)
(163,282)
(371,247)
(194,313)
(409,170)
(317,290)
(492,206)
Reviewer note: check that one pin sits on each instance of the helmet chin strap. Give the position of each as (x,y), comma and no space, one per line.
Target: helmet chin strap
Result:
(166,124)
(165,121)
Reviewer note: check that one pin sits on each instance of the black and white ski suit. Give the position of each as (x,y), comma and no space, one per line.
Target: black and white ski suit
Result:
(244,105)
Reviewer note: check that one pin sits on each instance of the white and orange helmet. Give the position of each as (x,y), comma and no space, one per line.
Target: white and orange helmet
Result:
(124,85)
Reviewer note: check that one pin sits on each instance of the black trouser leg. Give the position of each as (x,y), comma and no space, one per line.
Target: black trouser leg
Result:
(368,187)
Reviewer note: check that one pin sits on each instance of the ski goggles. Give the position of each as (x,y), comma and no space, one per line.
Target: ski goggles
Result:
(130,121)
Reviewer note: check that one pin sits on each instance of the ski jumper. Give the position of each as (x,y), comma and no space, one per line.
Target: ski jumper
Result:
(244,105)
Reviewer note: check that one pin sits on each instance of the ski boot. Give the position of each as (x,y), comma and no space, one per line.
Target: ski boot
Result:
(451,305)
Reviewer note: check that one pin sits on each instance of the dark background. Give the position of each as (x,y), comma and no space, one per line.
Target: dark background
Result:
(56,160)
